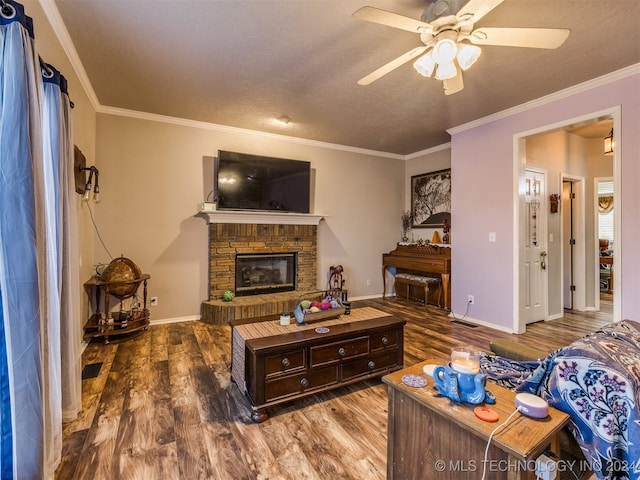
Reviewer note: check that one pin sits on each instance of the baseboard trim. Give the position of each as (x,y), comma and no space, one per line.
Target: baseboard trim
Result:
(475,321)
(162,321)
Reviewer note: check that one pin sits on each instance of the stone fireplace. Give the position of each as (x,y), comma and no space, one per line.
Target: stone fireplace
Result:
(251,235)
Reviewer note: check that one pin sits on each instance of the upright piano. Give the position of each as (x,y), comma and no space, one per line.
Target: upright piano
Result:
(428,258)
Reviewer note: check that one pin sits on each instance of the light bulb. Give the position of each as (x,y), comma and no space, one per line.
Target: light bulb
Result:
(96,196)
(87,194)
(446,71)
(444,51)
(425,65)
(467,55)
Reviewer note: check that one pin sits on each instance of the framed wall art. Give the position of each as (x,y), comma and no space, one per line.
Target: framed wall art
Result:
(431,199)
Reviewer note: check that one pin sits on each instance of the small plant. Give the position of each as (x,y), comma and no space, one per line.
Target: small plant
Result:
(407,220)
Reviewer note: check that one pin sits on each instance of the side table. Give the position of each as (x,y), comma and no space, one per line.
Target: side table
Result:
(99,325)
(431,436)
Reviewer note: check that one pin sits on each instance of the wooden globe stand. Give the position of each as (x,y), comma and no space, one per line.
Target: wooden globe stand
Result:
(108,324)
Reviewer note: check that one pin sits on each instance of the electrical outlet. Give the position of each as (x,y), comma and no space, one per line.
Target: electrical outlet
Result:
(471,300)
(368,282)
(546,468)
(153,301)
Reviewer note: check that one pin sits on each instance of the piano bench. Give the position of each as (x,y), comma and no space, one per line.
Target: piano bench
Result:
(409,279)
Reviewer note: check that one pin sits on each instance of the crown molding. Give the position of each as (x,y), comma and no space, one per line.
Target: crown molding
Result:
(553,97)
(224,128)
(428,151)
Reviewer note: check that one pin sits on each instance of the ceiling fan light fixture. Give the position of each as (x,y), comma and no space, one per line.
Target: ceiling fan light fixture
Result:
(425,65)
(445,51)
(446,71)
(467,55)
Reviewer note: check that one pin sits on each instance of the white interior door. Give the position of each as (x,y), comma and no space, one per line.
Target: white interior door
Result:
(534,287)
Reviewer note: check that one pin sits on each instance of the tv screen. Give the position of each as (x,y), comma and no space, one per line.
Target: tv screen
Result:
(254,182)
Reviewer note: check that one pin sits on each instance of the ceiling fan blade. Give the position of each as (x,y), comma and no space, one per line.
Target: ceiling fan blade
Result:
(376,15)
(392,65)
(520,37)
(474,10)
(453,85)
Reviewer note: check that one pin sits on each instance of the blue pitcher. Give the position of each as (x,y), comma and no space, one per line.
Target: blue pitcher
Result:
(462,387)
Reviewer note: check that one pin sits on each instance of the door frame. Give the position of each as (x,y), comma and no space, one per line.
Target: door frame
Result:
(579,249)
(519,163)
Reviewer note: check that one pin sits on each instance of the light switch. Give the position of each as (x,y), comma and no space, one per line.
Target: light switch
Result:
(551,237)
(492,237)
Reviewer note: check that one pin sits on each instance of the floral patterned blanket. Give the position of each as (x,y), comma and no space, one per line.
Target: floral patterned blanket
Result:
(596,380)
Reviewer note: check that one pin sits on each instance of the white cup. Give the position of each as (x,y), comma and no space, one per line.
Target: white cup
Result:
(285,319)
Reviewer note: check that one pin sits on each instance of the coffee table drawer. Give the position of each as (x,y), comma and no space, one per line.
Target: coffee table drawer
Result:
(284,362)
(335,352)
(367,365)
(298,383)
(384,340)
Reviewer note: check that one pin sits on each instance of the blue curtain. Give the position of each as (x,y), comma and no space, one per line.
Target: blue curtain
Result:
(61,359)
(22,444)
(30,253)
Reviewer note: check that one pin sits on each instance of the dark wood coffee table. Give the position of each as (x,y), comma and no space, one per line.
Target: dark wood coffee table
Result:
(276,368)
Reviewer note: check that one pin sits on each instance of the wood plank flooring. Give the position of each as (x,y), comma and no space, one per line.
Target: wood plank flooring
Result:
(163,406)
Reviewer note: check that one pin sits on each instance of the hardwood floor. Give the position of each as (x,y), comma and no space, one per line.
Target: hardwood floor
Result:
(162,405)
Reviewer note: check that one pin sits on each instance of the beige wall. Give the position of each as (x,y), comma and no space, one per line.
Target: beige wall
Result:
(152,178)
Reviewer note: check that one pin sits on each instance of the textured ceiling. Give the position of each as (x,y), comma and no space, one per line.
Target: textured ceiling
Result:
(243,63)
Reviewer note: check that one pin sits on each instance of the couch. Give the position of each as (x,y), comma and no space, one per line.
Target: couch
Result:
(596,380)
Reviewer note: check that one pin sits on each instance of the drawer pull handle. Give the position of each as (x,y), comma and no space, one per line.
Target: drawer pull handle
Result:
(371,364)
(285,362)
(304,382)
(342,352)
(385,340)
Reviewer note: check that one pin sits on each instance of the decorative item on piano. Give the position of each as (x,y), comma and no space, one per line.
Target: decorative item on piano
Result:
(407,220)
(445,232)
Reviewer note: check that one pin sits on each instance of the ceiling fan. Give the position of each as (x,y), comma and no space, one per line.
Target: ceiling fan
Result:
(451,44)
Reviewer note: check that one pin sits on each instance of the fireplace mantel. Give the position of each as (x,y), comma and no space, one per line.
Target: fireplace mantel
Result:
(255,217)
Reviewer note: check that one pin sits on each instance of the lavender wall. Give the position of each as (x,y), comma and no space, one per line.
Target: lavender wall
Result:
(483,173)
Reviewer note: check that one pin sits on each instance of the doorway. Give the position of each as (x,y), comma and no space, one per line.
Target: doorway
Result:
(572,281)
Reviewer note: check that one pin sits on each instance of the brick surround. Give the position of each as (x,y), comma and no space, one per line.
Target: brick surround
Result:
(227,239)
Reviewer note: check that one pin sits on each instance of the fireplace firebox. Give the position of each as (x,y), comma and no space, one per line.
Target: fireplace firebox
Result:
(259,273)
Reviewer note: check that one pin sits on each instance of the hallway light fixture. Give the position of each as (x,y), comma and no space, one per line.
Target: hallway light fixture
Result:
(609,144)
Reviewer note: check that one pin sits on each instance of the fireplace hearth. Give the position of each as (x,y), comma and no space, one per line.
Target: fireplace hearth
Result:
(230,240)
(260,273)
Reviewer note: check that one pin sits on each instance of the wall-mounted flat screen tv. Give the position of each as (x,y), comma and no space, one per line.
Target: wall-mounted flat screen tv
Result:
(254,182)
